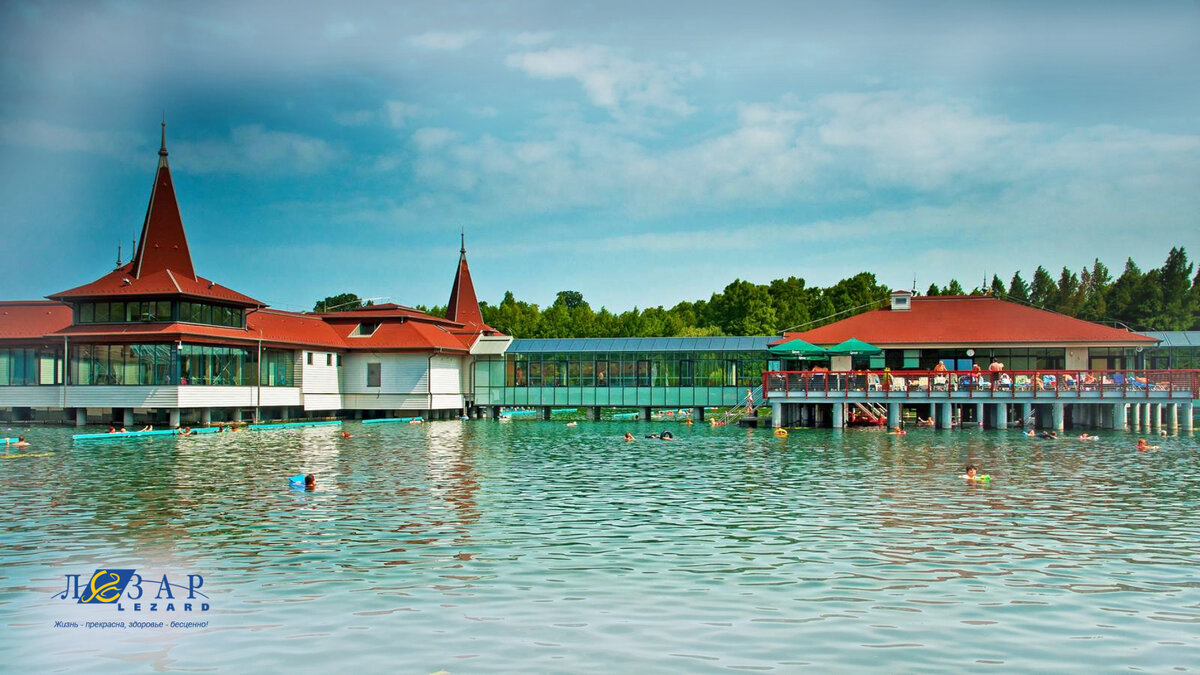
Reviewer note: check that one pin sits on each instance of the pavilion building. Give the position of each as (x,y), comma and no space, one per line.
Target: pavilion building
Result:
(154,342)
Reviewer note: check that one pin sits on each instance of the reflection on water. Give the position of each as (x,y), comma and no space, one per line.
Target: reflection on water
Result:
(482,547)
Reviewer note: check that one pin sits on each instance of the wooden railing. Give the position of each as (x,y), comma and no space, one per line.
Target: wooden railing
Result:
(968,384)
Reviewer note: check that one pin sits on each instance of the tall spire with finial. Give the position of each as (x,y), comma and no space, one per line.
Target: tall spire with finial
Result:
(464,305)
(163,244)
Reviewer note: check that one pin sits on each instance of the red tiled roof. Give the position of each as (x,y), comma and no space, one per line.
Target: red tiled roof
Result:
(163,244)
(463,306)
(292,328)
(32,319)
(160,283)
(964,320)
(402,335)
(385,311)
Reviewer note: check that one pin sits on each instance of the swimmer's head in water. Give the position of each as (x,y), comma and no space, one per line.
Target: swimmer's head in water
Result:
(310,480)
(972,469)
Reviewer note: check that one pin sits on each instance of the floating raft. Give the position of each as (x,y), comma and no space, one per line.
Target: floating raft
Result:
(625,416)
(291,425)
(11,440)
(141,434)
(519,413)
(563,410)
(390,420)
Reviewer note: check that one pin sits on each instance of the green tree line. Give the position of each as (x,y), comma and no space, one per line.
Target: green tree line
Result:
(1167,298)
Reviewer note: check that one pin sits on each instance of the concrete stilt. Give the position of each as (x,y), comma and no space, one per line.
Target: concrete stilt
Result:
(1187,416)
(173,417)
(1136,409)
(205,416)
(777,415)
(127,417)
(1001,415)
(80,417)
(1156,415)
(945,415)
(1119,412)
(1173,416)
(838,411)
(1026,412)
(697,414)
(979,414)
(893,419)
(647,413)
(1058,413)
(236,415)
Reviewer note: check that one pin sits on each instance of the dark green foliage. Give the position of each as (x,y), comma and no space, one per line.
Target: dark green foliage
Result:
(342,302)
(1018,290)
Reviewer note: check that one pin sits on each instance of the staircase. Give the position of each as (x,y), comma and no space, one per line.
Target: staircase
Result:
(876,413)
(737,412)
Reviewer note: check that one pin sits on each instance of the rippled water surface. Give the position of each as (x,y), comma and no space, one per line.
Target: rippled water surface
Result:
(534,547)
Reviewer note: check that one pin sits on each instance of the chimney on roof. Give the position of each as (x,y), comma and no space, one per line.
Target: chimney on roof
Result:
(901,301)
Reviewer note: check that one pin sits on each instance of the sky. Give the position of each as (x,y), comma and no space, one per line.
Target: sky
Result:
(641,153)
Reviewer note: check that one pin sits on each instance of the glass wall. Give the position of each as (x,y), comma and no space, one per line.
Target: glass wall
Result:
(23,367)
(1020,358)
(189,364)
(635,369)
(160,311)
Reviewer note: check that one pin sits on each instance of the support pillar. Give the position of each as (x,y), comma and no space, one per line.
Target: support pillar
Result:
(1136,409)
(236,415)
(1173,416)
(174,418)
(127,418)
(979,414)
(777,415)
(594,413)
(945,416)
(1000,415)
(1187,416)
(205,416)
(1026,414)
(1058,413)
(698,414)
(646,412)
(893,419)
(838,411)
(1118,417)
(1156,415)
(80,417)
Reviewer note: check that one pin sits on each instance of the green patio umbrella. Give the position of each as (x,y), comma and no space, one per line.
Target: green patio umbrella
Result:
(854,347)
(799,349)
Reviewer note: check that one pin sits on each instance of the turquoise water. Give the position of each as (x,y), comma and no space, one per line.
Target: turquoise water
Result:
(534,547)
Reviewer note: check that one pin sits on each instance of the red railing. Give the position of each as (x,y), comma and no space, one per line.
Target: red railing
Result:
(1036,383)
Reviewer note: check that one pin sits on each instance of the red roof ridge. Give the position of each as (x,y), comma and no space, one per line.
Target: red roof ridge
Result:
(163,243)
(172,278)
(26,303)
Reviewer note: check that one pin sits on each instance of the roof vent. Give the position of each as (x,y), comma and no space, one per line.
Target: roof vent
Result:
(901,301)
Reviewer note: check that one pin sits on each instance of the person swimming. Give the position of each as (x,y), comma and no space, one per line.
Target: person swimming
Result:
(19,443)
(572,424)
(310,482)
(347,434)
(971,473)
(1143,445)
(897,431)
(1088,437)
(628,437)
(666,436)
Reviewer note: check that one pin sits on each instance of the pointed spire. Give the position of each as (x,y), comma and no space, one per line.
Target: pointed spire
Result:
(163,244)
(462,251)
(162,149)
(464,305)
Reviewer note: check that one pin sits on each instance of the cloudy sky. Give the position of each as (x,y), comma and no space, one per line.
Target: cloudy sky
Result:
(640,152)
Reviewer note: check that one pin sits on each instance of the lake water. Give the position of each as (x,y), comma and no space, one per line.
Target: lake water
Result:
(534,547)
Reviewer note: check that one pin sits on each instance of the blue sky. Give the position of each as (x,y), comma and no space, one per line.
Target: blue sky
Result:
(641,153)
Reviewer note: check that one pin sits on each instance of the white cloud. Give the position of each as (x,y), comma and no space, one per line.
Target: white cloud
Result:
(58,138)
(445,41)
(252,148)
(611,81)
(398,112)
(342,30)
(431,138)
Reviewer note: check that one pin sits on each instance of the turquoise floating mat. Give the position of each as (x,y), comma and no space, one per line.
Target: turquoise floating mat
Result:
(292,425)
(11,440)
(387,420)
(141,434)
(563,410)
(520,413)
(625,416)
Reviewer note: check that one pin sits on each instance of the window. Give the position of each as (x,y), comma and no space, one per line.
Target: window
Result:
(339,360)
(310,358)
(329,359)
(365,329)
(373,375)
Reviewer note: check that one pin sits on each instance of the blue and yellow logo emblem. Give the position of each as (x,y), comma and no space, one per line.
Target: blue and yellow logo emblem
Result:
(106,586)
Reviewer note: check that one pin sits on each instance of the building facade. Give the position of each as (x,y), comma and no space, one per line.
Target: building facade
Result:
(153,342)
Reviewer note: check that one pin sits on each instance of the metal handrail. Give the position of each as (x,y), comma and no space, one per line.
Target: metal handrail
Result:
(1057,383)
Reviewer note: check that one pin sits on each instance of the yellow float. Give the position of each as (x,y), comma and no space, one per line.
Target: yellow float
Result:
(782,433)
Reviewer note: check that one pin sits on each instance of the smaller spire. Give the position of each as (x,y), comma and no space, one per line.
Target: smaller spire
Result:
(162,149)
(119,263)
(462,233)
